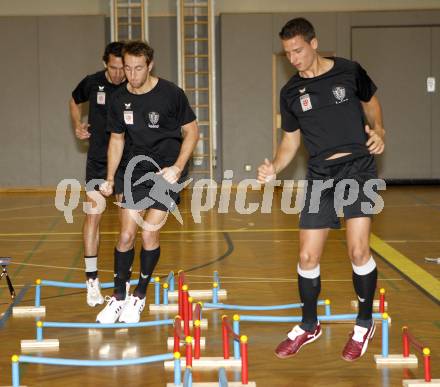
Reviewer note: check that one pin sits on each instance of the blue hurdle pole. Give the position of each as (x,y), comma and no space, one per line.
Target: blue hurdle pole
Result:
(257,307)
(15,371)
(222,379)
(215,293)
(217,279)
(170,281)
(236,330)
(281,319)
(157,290)
(39,330)
(177,369)
(188,377)
(37,293)
(385,329)
(327,307)
(141,324)
(165,293)
(95,363)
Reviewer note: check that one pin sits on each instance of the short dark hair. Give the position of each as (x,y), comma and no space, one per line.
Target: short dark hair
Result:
(113,48)
(298,26)
(139,48)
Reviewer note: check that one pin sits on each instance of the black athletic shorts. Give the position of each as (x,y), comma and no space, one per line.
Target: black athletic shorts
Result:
(98,170)
(154,192)
(322,211)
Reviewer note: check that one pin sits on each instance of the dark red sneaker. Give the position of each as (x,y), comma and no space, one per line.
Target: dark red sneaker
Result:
(358,342)
(296,338)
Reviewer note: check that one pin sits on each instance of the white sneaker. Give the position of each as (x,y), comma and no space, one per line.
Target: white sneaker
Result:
(94,296)
(133,309)
(112,310)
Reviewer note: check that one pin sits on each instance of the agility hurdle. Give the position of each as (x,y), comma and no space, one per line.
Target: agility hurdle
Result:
(208,305)
(16,360)
(334,318)
(169,294)
(208,363)
(406,358)
(38,310)
(178,338)
(40,343)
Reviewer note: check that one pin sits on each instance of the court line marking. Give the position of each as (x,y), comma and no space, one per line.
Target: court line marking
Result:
(218,231)
(420,277)
(16,301)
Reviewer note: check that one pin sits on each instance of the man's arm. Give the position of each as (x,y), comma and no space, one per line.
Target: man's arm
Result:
(285,153)
(190,139)
(80,127)
(114,155)
(374,129)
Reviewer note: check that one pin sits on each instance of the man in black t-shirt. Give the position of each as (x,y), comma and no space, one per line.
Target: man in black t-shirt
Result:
(96,89)
(330,103)
(155,116)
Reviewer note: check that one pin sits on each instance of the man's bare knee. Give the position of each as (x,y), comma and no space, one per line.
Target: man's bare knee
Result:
(308,260)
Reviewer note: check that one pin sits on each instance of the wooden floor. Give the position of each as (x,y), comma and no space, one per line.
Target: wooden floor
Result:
(255,256)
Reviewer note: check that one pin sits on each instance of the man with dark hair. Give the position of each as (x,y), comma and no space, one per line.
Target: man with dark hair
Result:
(156,116)
(96,89)
(331,103)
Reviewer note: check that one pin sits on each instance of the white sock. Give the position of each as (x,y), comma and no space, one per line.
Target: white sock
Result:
(91,264)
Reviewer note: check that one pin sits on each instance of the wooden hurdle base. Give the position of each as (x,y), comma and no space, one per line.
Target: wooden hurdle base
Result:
(420,383)
(207,363)
(200,294)
(355,305)
(28,311)
(170,343)
(215,384)
(396,360)
(40,345)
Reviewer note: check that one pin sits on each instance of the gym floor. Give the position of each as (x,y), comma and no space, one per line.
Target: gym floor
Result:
(255,256)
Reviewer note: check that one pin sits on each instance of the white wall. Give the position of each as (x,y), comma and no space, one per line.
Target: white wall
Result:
(168,7)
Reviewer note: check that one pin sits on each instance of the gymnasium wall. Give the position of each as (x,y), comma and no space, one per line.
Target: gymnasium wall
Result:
(48,55)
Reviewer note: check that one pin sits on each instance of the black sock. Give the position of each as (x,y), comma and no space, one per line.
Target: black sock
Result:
(149,259)
(365,287)
(123,262)
(92,274)
(309,289)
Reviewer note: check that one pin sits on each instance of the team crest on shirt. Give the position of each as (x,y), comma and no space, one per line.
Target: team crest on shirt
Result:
(153,117)
(306,103)
(339,93)
(100,96)
(128,114)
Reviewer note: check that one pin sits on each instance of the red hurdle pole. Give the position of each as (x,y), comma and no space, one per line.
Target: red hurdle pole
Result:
(190,308)
(225,338)
(197,339)
(188,341)
(177,320)
(405,341)
(244,360)
(179,291)
(185,310)
(427,363)
(382,300)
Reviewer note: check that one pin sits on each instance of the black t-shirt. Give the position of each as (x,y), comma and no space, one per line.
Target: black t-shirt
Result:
(152,121)
(327,108)
(96,89)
